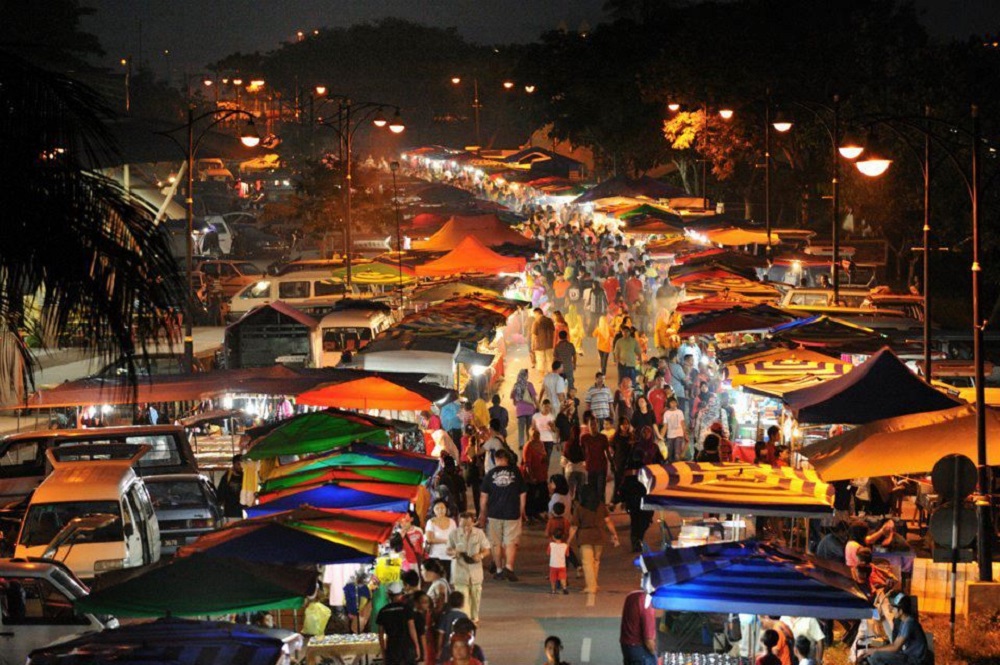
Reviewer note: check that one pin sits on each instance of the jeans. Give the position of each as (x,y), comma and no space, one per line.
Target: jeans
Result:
(523,425)
(677,448)
(604,361)
(590,557)
(889,658)
(576,479)
(600,481)
(568,375)
(636,654)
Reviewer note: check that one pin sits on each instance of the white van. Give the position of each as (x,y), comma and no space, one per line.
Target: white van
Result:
(299,289)
(85,488)
(348,329)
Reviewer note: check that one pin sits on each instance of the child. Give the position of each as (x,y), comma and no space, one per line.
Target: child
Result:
(557,561)
(558,522)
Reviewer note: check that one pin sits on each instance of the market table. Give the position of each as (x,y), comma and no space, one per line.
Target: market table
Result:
(674,658)
(335,647)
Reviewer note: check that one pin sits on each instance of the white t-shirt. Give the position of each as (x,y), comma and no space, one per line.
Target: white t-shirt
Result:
(554,385)
(557,555)
(545,424)
(438,550)
(674,420)
(807,626)
(559,498)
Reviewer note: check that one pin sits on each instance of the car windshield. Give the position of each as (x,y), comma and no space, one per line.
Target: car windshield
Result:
(45,520)
(247,268)
(176,493)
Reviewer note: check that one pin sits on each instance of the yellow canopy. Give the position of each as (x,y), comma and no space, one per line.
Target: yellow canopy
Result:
(783,365)
(739,237)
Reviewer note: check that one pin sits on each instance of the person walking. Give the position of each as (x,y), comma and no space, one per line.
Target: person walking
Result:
(439,528)
(397,631)
(637,635)
(604,336)
(228,491)
(565,352)
(627,354)
(503,503)
(543,332)
(554,386)
(674,431)
(590,520)
(543,427)
(534,470)
(468,546)
(598,399)
(597,456)
(525,400)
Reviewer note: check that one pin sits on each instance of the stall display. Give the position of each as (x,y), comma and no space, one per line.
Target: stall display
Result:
(336,647)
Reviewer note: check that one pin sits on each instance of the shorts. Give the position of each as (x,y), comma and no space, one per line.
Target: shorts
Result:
(557,575)
(504,532)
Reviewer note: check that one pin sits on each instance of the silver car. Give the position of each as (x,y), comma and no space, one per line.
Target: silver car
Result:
(185,506)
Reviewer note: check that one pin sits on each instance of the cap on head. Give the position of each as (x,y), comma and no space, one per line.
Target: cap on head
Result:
(395,588)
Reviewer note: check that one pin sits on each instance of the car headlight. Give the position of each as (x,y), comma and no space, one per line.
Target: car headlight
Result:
(105,565)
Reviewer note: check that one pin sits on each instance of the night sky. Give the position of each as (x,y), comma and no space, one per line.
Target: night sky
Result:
(200,31)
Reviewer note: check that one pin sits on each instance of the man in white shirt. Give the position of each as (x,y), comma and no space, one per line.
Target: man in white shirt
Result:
(674,432)
(810,628)
(554,386)
(545,422)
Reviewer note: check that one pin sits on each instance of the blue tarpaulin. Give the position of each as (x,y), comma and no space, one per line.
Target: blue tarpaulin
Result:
(332,496)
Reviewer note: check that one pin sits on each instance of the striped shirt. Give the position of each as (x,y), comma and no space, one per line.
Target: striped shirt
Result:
(598,400)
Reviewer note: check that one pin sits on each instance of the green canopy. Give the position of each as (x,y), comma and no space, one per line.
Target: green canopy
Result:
(374,273)
(198,585)
(315,433)
(386,474)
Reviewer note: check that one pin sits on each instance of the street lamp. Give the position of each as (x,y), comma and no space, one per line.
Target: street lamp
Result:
(530,89)
(394,167)
(249,137)
(457,80)
(345,128)
(875,167)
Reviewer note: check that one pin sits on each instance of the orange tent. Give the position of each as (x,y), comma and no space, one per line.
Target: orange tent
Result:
(371,392)
(488,228)
(471,255)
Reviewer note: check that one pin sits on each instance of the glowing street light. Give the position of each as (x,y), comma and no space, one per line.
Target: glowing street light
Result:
(673,107)
(529,89)
(397,126)
(725,114)
(873,166)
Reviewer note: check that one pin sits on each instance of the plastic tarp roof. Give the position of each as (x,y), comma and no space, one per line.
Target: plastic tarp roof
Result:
(882,387)
(735,319)
(314,433)
(375,392)
(735,487)
(198,585)
(471,256)
(752,578)
(360,454)
(711,304)
(906,444)
(489,229)
(450,289)
(375,473)
(305,535)
(778,388)
(375,272)
(736,237)
(782,364)
(333,495)
(829,333)
(622,186)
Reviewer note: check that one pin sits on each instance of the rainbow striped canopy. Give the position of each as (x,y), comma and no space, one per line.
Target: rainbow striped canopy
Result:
(736,487)
(785,364)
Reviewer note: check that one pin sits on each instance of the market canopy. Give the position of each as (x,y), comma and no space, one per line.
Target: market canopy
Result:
(384,497)
(882,387)
(752,578)
(451,289)
(377,392)
(198,585)
(783,364)
(375,272)
(314,433)
(471,256)
(829,333)
(734,237)
(359,454)
(621,186)
(735,487)
(305,535)
(380,473)
(490,230)
(735,319)
(904,445)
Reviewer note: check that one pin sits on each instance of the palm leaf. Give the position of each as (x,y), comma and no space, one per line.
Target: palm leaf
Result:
(73,245)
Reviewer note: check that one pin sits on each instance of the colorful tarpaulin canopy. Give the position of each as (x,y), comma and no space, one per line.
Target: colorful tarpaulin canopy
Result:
(360,454)
(361,496)
(305,535)
(198,585)
(734,319)
(829,333)
(381,473)
(733,285)
(375,272)
(711,304)
(752,578)
(778,388)
(783,364)
(471,256)
(903,445)
(376,392)
(314,433)
(643,187)
(735,487)
(490,230)
(450,289)
(734,237)
(882,387)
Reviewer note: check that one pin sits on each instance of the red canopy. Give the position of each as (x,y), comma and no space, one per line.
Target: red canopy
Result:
(370,392)
(487,228)
(471,255)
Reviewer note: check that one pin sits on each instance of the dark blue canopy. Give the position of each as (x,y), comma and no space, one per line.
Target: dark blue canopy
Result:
(332,496)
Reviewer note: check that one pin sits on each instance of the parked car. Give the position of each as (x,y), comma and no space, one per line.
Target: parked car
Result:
(186,507)
(23,456)
(37,602)
(251,242)
(233,275)
(79,488)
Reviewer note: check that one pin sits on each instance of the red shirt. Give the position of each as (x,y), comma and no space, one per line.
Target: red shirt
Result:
(611,287)
(657,399)
(633,289)
(595,452)
(536,467)
(638,620)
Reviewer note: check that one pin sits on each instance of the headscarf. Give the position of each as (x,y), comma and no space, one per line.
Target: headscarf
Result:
(625,389)
(521,386)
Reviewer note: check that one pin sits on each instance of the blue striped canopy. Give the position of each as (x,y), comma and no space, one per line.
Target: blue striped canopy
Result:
(332,496)
(752,578)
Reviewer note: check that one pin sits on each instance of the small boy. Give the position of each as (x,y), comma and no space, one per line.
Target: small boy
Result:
(557,562)
(558,522)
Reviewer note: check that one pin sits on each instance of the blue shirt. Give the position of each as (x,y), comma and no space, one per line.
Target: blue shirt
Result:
(449,416)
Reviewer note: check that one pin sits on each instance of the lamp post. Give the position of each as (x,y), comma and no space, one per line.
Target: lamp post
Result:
(457,80)
(345,127)
(394,167)
(250,138)
(874,166)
